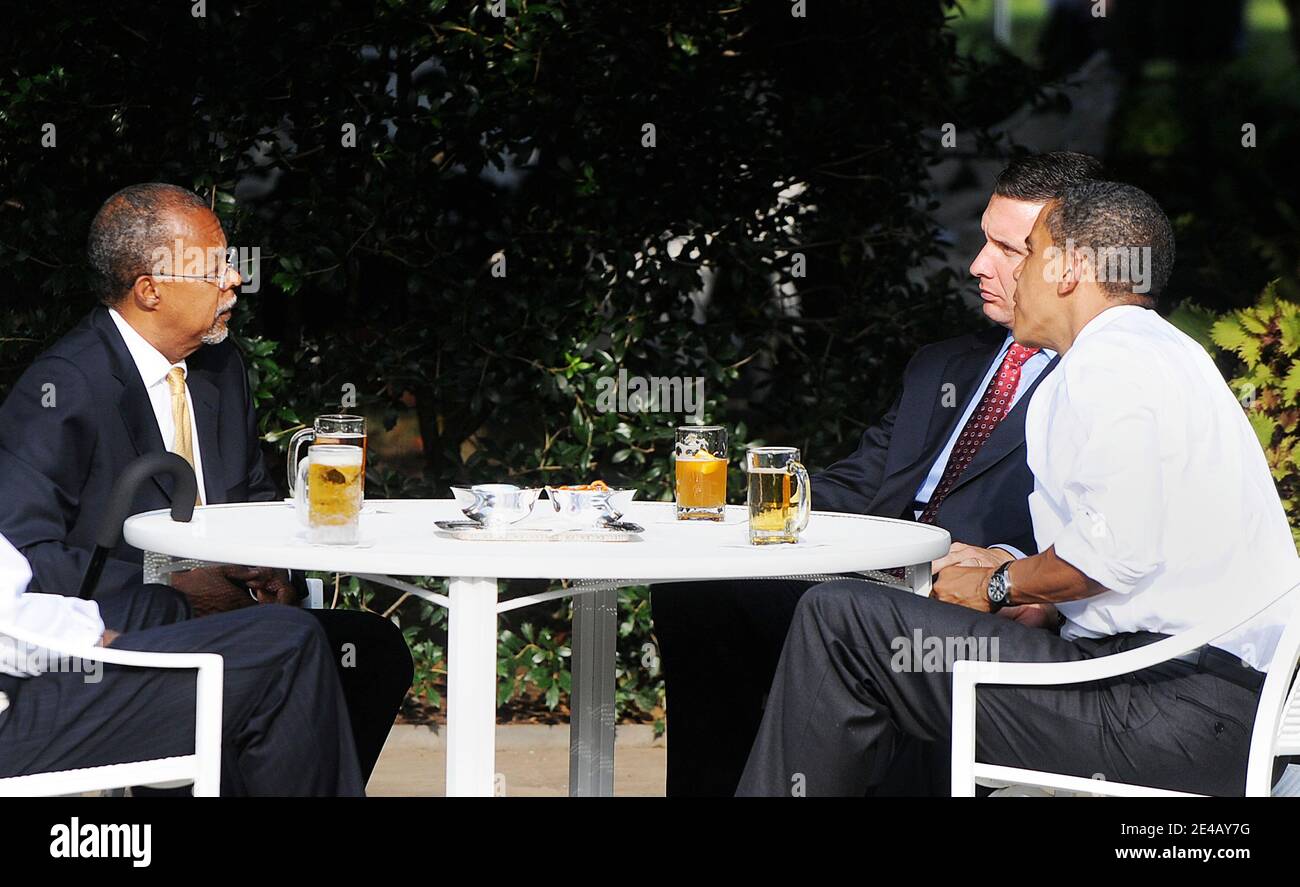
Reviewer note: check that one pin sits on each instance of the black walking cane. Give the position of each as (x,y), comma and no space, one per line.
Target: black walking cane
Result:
(119,507)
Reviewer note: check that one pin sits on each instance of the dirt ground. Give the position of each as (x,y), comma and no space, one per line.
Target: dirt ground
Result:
(532,761)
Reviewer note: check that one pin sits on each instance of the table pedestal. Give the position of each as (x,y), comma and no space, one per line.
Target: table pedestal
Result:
(471,691)
(591,699)
(472,687)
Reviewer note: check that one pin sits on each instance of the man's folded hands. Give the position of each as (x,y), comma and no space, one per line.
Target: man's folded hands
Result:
(967,586)
(225,587)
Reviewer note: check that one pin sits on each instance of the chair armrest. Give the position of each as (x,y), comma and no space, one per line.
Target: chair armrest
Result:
(132,658)
(967,673)
(208,690)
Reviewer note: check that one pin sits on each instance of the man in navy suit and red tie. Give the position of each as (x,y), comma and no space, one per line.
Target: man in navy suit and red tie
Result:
(950,451)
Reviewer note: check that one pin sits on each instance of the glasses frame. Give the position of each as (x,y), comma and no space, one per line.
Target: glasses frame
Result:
(221,279)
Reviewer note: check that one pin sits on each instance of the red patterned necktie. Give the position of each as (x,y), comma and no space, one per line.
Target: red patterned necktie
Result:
(993,406)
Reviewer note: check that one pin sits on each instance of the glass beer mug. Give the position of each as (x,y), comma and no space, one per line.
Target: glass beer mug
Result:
(327,493)
(338,430)
(778,507)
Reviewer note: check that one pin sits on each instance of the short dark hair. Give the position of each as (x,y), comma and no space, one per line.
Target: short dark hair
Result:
(1038,178)
(126,231)
(1112,219)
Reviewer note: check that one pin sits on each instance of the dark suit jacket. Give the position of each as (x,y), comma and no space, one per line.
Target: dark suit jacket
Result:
(990,502)
(78,416)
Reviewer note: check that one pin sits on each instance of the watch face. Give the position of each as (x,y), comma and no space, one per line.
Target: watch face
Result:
(998,588)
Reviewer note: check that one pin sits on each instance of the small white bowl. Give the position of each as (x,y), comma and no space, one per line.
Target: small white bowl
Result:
(590,507)
(496,505)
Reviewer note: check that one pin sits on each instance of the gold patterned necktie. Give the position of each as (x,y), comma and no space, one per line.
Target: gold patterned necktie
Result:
(183,441)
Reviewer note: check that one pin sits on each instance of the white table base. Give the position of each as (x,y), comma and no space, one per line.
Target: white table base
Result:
(472,672)
(473,607)
(471,696)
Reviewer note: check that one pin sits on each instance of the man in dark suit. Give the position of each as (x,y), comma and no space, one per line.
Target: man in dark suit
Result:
(950,451)
(148,370)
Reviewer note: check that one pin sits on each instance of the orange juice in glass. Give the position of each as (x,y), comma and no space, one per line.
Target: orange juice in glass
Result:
(701,457)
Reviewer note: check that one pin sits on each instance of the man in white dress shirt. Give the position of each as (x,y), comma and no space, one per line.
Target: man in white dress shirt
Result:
(1153,510)
(284,723)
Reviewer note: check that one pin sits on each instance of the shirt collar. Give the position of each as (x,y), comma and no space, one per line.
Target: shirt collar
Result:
(149,361)
(1105,319)
(1006,346)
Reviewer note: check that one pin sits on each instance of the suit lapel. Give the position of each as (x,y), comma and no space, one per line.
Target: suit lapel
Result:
(964,370)
(207,407)
(1008,437)
(132,399)
(142,425)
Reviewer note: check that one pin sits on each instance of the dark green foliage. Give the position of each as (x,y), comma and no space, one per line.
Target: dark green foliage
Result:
(1232,193)
(376,260)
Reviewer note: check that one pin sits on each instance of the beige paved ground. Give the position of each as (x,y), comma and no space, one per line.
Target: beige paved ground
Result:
(528,766)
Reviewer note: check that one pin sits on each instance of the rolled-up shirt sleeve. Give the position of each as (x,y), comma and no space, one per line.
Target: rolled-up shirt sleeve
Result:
(1114,491)
(69,622)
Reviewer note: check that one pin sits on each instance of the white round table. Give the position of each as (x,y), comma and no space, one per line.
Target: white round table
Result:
(398,538)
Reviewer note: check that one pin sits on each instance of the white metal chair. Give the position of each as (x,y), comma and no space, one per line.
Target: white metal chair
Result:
(1277,721)
(163,771)
(203,768)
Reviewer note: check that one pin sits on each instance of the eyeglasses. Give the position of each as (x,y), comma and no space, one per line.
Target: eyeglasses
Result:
(221,279)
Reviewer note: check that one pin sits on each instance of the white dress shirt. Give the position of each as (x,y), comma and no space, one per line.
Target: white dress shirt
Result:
(1149,479)
(68,620)
(153,368)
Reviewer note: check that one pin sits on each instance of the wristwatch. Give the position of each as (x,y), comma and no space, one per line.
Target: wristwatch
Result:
(999,590)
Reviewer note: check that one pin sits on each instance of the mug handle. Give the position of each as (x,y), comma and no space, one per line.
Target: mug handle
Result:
(300,504)
(292,465)
(804,487)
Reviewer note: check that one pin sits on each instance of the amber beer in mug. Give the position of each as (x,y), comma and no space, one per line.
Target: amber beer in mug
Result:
(336,430)
(701,469)
(779,495)
(329,492)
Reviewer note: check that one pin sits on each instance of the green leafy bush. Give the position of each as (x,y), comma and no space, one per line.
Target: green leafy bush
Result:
(1259,348)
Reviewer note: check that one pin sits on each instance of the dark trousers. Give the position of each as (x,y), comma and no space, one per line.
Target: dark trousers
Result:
(141,606)
(284,722)
(719,645)
(373,659)
(853,683)
(375,671)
